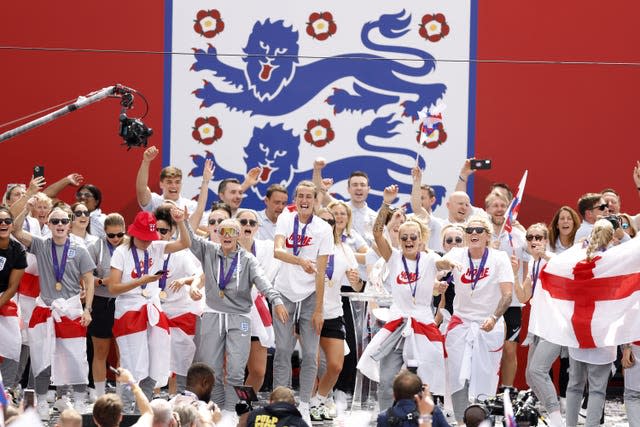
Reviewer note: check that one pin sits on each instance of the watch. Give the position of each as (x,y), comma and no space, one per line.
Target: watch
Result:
(89,309)
(494,317)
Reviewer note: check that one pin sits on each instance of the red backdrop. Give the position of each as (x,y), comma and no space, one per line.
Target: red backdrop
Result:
(572,126)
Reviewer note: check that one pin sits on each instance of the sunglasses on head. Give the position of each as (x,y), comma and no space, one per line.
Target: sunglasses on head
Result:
(450,240)
(250,222)
(228,232)
(600,207)
(163,231)
(6,221)
(81,213)
(215,221)
(406,237)
(84,195)
(536,237)
(624,225)
(56,221)
(477,230)
(330,221)
(114,235)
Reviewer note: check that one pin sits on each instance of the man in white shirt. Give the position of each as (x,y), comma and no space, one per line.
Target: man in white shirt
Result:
(362,215)
(275,201)
(230,191)
(591,206)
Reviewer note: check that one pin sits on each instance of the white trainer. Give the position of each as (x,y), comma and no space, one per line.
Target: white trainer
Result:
(43,409)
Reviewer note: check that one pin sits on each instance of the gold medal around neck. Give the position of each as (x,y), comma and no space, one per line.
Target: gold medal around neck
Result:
(58,286)
(221,294)
(163,295)
(330,283)
(145,293)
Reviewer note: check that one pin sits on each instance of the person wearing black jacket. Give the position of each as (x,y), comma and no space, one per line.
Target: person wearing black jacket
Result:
(281,411)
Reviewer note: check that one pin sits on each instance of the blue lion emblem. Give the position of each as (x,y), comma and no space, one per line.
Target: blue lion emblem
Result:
(274,84)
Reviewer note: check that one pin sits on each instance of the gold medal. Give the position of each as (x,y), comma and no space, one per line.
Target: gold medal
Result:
(145,293)
(221,294)
(330,283)
(58,286)
(414,300)
(163,295)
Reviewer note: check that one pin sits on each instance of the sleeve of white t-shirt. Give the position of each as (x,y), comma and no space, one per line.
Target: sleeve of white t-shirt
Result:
(156,200)
(282,225)
(503,266)
(325,245)
(118,257)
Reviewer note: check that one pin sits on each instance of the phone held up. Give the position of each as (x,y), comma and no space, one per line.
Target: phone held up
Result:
(480,163)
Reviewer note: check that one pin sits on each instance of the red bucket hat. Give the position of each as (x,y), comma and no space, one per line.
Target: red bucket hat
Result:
(144,227)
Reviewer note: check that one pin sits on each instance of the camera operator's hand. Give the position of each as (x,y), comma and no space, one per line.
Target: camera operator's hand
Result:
(424,402)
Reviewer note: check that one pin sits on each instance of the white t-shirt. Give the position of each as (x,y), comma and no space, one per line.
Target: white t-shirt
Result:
(435,233)
(32,225)
(517,246)
(343,259)
(157,200)
(403,286)
(362,220)
(583,231)
(292,281)
(478,305)
(122,259)
(267,228)
(181,264)
(264,254)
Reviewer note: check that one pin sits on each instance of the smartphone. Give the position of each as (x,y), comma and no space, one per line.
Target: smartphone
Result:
(29,398)
(38,171)
(160,272)
(480,163)
(246,393)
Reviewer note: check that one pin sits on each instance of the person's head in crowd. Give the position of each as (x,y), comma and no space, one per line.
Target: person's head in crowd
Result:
(80,223)
(229,231)
(427,197)
(171,183)
(187,414)
(249,223)
(219,212)
(305,197)
(406,385)
(592,206)
(459,206)
(5,229)
(143,230)
(230,192)
(358,188)
(114,227)
(600,237)
(60,222)
(69,418)
(612,198)
(90,195)
(425,232)
(165,224)
(107,411)
(342,214)
(275,201)
(329,218)
(282,394)
(478,232)
(163,415)
(200,380)
(502,189)
(42,208)
(496,204)
(474,416)
(452,237)
(628,225)
(537,235)
(563,226)
(13,193)
(411,236)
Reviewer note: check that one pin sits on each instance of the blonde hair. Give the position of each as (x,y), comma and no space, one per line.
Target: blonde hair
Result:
(336,238)
(422,226)
(542,227)
(335,203)
(114,219)
(282,394)
(495,195)
(600,237)
(632,224)
(43,198)
(70,418)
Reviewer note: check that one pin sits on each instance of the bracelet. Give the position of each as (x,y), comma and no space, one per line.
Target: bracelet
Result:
(461,179)
(423,419)
(494,317)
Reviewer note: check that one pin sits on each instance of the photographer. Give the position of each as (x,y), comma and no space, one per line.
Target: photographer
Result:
(412,404)
(281,411)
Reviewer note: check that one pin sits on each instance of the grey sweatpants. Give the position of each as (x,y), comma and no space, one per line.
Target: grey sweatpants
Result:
(390,365)
(541,356)
(598,377)
(632,405)
(286,342)
(43,379)
(222,334)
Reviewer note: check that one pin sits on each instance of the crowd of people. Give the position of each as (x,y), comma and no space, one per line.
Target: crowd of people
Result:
(220,286)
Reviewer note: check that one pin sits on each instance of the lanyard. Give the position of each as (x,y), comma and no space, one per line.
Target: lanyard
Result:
(296,225)
(58,268)
(136,263)
(413,288)
(111,248)
(163,279)
(330,266)
(226,278)
(478,272)
(535,271)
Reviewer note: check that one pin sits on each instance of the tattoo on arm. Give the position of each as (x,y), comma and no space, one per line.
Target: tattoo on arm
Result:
(378,226)
(503,305)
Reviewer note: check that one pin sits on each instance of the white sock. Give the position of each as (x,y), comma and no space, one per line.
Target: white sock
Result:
(556,419)
(99,386)
(321,398)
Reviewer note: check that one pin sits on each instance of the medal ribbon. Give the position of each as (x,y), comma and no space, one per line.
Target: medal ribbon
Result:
(226,278)
(163,279)
(58,268)
(478,272)
(534,275)
(111,248)
(296,225)
(413,288)
(330,266)
(136,263)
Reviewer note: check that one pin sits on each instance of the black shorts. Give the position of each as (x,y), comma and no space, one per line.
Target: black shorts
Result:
(513,323)
(103,310)
(333,328)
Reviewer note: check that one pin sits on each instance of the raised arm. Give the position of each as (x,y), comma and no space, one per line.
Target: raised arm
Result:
(23,236)
(416,193)
(250,179)
(463,177)
(207,174)
(319,164)
(35,186)
(143,193)
(74,179)
(384,248)
(184,239)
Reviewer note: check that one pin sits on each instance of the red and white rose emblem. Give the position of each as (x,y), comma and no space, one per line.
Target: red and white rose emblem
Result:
(434,27)
(208,23)
(206,130)
(321,25)
(432,138)
(319,132)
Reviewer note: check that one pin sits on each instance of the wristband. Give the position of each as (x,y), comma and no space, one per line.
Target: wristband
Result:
(494,317)
(423,419)
(89,309)
(461,179)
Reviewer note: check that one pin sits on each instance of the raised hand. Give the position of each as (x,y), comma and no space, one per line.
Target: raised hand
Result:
(150,154)
(390,194)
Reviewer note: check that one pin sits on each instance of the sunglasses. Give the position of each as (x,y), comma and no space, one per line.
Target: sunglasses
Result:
(536,237)
(163,231)
(624,225)
(215,221)
(477,230)
(250,222)
(450,240)
(84,195)
(600,207)
(228,232)
(56,221)
(331,222)
(114,235)
(406,237)
(6,221)
(81,213)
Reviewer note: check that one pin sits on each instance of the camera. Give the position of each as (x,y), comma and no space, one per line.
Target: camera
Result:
(134,132)
(614,220)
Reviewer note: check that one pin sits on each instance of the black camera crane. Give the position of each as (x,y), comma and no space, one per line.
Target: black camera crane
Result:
(133,131)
